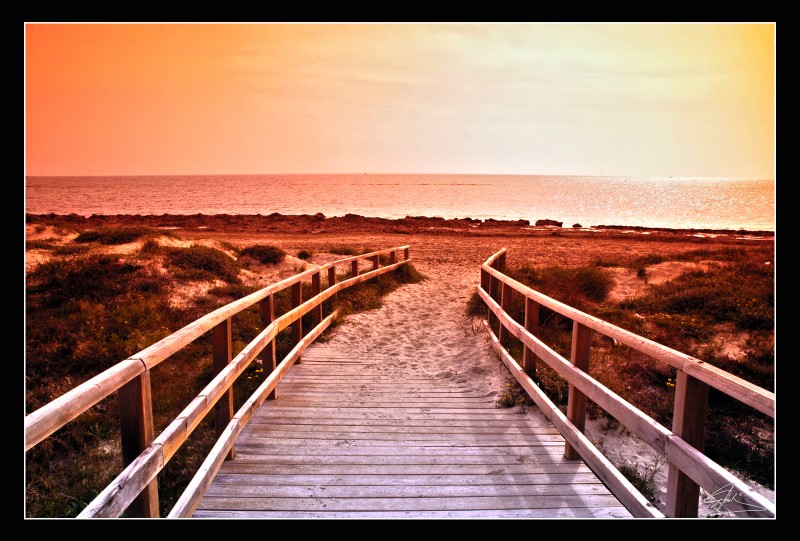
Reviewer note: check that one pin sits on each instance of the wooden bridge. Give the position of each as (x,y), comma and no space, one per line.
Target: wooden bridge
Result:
(348,437)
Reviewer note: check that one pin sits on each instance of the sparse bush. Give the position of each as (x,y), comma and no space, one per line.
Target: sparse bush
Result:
(117,235)
(304,254)
(344,250)
(264,253)
(202,263)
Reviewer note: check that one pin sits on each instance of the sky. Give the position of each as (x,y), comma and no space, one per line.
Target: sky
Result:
(649,100)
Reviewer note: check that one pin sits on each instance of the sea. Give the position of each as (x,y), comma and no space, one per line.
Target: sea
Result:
(591,201)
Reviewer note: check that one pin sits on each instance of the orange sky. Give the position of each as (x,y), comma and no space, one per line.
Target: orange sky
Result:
(630,99)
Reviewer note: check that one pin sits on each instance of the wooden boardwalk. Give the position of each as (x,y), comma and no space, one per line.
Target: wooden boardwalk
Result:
(347,439)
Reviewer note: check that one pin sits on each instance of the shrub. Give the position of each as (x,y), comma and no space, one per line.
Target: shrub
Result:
(264,253)
(202,263)
(304,254)
(117,235)
(344,250)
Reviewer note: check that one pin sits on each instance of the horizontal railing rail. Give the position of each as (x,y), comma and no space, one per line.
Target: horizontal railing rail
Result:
(135,489)
(689,468)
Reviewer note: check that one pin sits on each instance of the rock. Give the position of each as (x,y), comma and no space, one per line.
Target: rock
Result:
(319,216)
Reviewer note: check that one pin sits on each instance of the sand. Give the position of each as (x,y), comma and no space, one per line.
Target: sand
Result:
(423,328)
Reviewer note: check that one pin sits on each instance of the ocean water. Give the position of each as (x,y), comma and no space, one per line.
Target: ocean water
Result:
(682,203)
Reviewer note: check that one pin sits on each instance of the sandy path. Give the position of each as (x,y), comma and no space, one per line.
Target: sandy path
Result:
(422,329)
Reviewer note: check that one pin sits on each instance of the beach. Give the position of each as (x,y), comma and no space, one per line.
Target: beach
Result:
(423,327)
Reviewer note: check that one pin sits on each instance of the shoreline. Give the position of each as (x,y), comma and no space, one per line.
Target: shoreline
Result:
(319,223)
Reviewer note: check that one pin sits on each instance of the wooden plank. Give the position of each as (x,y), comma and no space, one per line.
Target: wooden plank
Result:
(500,424)
(253,456)
(391,451)
(53,415)
(398,491)
(236,466)
(488,480)
(297,326)
(264,429)
(136,434)
(221,346)
(738,388)
(582,512)
(380,438)
(576,402)
(377,444)
(410,504)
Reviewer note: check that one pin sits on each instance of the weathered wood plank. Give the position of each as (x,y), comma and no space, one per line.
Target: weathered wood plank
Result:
(376,438)
(288,479)
(266,430)
(236,466)
(576,402)
(580,512)
(549,455)
(411,504)
(400,491)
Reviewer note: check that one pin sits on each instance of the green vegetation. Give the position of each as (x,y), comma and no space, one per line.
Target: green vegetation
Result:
(264,253)
(201,263)
(303,254)
(642,476)
(86,312)
(689,313)
(118,235)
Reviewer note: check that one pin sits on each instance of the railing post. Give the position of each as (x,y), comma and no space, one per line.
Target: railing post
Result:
(501,262)
(135,404)
(332,281)
(576,404)
(354,267)
(266,309)
(316,288)
(406,254)
(505,304)
(375,262)
(689,423)
(297,326)
(392,257)
(494,286)
(223,353)
(532,326)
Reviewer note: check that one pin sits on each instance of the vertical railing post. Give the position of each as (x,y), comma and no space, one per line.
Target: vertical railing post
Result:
(576,404)
(316,288)
(266,309)
(406,254)
(354,267)
(501,262)
(392,257)
(135,406)
(689,423)
(332,281)
(505,304)
(375,262)
(297,326)
(223,353)
(494,287)
(532,326)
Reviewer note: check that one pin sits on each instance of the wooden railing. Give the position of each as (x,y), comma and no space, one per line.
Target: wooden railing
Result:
(689,468)
(144,455)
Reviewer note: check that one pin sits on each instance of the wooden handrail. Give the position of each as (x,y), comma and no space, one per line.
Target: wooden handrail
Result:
(52,416)
(689,467)
(136,483)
